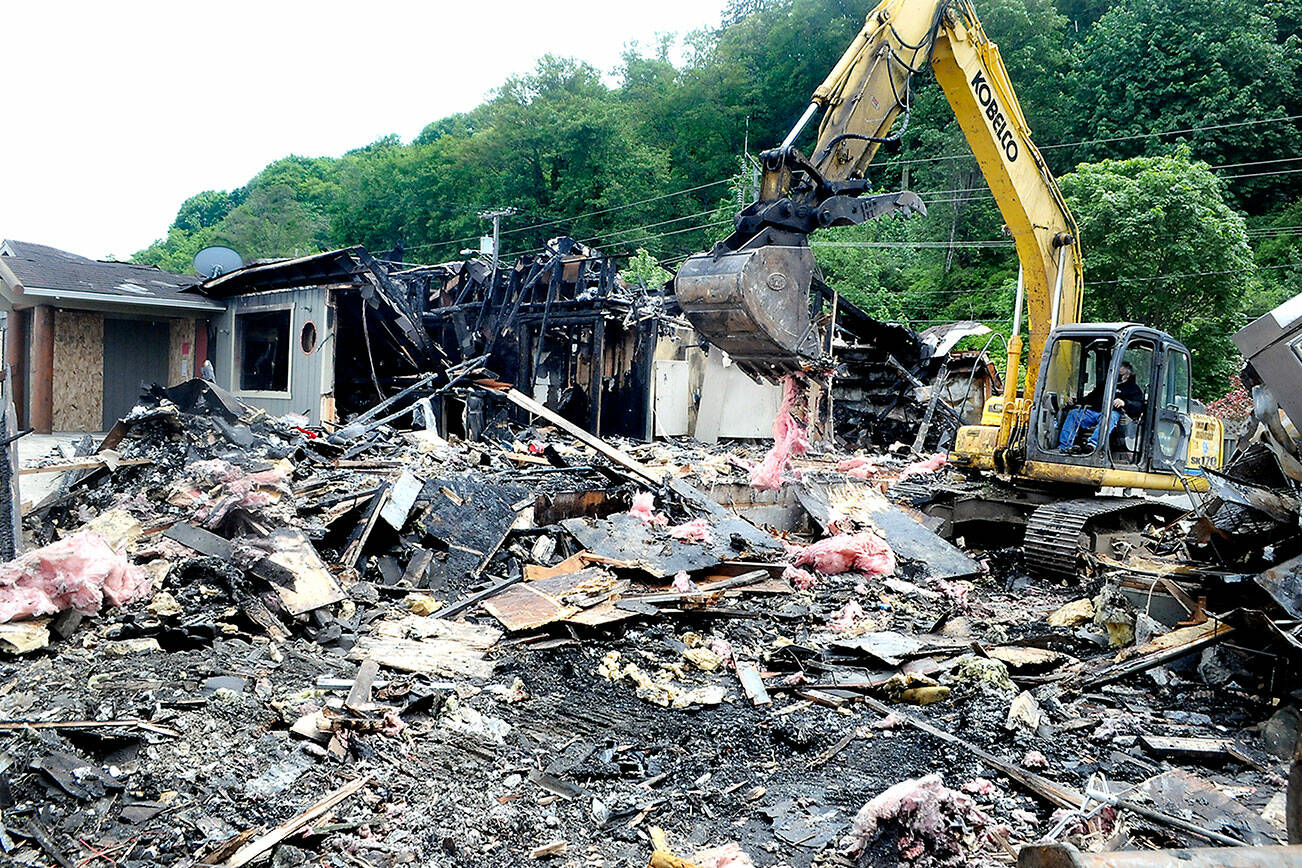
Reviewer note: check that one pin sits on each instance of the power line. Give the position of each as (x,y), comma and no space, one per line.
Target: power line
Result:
(1188,274)
(1107,140)
(574,217)
(661,197)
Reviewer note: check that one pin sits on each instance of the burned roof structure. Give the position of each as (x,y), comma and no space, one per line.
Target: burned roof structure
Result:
(560,324)
(324,335)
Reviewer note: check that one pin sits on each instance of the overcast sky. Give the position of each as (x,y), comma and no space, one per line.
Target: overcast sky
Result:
(120,111)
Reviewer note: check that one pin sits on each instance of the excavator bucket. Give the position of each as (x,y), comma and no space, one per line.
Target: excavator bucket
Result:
(749,296)
(754,305)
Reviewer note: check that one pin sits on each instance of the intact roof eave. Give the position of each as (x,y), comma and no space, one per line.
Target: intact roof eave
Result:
(196,304)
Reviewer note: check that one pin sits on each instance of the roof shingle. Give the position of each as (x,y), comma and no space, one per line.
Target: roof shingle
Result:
(38,265)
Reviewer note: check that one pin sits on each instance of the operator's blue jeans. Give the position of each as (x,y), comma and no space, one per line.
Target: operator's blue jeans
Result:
(1082,417)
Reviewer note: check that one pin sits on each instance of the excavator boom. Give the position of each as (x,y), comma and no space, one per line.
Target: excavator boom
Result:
(750,294)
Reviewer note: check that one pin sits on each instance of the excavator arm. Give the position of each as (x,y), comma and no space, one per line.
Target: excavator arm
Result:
(750,294)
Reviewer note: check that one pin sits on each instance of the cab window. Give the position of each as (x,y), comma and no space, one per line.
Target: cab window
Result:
(1076,368)
(1176,396)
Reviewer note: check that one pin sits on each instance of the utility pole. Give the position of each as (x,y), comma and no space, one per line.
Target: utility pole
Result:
(496,217)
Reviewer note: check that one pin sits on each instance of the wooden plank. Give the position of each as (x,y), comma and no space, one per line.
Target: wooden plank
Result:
(1146,661)
(1058,794)
(618,456)
(751,682)
(360,693)
(311,586)
(1199,748)
(418,568)
(13,515)
(10,725)
(86,465)
(357,539)
(263,843)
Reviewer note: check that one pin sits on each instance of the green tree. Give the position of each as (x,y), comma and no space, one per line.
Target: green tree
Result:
(644,270)
(1233,66)
(272,222)
(1162,246)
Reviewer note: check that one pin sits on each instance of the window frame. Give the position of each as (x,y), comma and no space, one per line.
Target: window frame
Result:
(237,356)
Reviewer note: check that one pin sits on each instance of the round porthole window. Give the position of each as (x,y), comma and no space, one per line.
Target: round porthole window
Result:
(308,338)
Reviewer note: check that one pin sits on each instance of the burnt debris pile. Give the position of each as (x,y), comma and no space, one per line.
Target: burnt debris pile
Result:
(237,639)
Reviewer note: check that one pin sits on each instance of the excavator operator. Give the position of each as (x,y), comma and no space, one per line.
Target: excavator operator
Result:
(1129,400)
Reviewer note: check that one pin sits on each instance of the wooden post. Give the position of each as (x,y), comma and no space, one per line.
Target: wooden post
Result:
(596,374)
(201,345)
(41,381)
(16,361)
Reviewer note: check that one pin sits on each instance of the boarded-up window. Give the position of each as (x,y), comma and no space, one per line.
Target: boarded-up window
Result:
(262,351)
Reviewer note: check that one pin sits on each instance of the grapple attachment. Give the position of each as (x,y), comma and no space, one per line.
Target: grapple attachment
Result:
(754,305)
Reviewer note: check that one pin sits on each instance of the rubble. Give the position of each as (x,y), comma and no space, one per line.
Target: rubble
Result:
(373,646)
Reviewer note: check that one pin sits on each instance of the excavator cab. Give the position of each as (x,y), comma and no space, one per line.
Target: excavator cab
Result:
(1085,422)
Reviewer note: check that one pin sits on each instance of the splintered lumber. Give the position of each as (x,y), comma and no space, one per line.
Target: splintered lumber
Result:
(618,456)
(1163,649)
(446,648)
(85,465)
(263,843)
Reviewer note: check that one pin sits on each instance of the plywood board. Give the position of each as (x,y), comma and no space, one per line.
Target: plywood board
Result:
(180,351)
(529,605)
(78,385)
(312,584)
(671,398)
(429,645)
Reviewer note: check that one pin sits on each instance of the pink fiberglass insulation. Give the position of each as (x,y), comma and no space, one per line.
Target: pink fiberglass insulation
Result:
(696,530)
(683,583)
(931,465)
(79,572)
(802,579)
(859,467)
(864,551)
(730,855)
(788,438)
(928,816)
(644,506)
(722,649)
(847,617)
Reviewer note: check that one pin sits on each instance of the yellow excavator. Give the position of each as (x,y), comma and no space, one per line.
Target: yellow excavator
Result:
(750,296)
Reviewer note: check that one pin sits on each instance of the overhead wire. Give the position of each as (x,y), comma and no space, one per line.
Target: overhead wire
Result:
(955,198)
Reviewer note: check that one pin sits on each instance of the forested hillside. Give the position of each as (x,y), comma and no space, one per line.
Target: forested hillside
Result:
(1175,127)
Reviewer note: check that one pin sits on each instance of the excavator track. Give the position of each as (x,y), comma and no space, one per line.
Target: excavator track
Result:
(1058,533)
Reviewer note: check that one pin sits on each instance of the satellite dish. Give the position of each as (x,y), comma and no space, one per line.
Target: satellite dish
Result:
(216,261)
